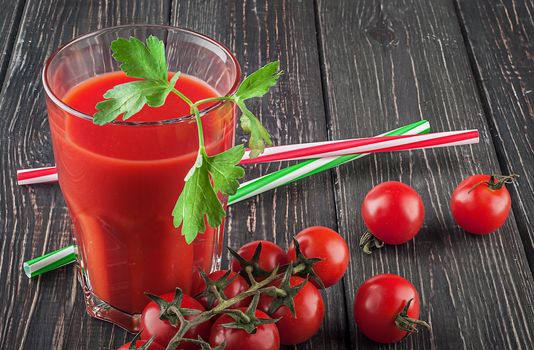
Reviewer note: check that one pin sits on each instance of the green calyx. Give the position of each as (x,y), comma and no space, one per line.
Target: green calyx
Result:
(496,182)
(368,243)
(250,269)
(214,291)
(247,320)
(408,324)
(172,311)
(283,295)
(303,265)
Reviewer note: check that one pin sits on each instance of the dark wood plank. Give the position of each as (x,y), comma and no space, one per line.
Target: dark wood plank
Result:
(47,312)
(259,32)
(500,38)
(386,64)
(9,24)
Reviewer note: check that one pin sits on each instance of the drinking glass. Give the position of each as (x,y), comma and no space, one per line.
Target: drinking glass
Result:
(121,181)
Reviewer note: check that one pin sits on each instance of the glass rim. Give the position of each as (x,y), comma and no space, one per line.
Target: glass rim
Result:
(64,106)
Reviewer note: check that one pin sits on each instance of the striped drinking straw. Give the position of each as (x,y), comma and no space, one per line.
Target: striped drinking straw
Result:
(50,261)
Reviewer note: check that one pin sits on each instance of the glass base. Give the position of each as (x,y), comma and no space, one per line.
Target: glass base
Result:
(101,310)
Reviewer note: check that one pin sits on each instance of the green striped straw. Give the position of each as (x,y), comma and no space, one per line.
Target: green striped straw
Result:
(246,190)
(50,261)
(312,166)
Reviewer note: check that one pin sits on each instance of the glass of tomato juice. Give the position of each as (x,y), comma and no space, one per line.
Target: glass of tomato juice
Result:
(121,181)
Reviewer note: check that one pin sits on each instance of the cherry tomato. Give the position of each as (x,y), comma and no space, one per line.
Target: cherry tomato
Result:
(140,343)
(327,244)
(163,331)
(266,336)
(270,257)
(480,205)
(237,286)
(309,313)
(378,302)
(393,212)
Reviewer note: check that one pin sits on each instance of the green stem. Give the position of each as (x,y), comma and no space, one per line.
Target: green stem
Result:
(177,312)
(248,270)
(213,99)
(196,341)
(299,268)
(258,288)
(183,97)
(218,295)
(496,182)
(280,292)
(201,146)
(194,109)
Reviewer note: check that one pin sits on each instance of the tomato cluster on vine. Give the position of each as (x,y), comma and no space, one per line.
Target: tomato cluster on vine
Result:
(269,297)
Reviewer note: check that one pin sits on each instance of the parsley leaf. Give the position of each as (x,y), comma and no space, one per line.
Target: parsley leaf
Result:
(224,170)
(138,61)
(129,98)
(259,136)
(256,85)
(199,197)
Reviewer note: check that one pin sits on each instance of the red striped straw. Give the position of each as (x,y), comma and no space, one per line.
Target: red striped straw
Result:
(36,175)
(364,145)
(316,150)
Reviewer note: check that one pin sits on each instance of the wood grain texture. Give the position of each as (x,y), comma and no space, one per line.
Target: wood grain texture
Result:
(260,32)
(500,38)
(9,23)
(386,64)
(47,312)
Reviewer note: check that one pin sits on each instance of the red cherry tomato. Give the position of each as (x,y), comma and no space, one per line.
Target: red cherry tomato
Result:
(309,313)
(479,207)
(266,336)
(270,257)
(140,343)
(237,286)
(393,212)
(163,331)
(378,302)
(327,244)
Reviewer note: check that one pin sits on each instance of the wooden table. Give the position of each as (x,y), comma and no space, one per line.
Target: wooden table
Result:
(353,68)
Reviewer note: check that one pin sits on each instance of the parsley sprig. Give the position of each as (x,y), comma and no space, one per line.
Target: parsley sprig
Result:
(210,175)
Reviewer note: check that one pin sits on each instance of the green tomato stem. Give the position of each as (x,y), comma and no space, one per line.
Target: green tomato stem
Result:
(368,242)
(408,324)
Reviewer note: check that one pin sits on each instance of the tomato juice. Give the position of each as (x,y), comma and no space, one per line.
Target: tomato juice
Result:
(121,182)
